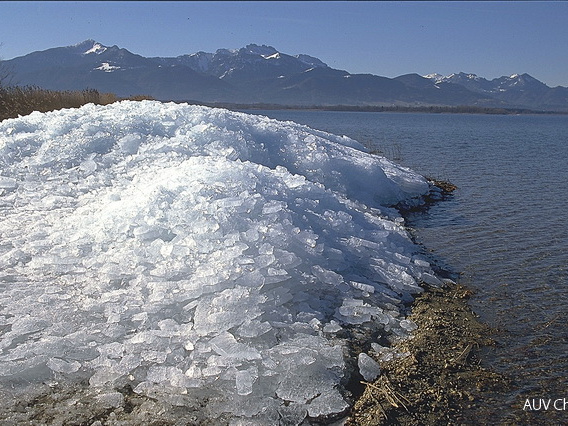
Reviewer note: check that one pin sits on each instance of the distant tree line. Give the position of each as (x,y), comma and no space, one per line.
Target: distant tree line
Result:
(461,109)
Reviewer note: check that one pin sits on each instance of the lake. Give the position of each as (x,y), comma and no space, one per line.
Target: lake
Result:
(504,231)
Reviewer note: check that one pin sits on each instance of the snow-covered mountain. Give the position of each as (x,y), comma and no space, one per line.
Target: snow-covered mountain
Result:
(245,64)
(262,74)
(480,84)
(515,90)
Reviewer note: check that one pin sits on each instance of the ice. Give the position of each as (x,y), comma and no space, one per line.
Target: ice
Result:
(330,402)
(327,276)
(198,254)
(356,311)
(387,354)
(332,327)
(408,325)
(244,382)
(62,366)
(368,367)
(111,399)
(431,279)
(7,183)
(231,307)
(253,328)
(363,287)
(227,346)
(292,414)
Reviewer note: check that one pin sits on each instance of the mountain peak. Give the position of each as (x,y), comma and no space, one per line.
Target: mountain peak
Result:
(89,46)
(263,50)
(523,77)
(96,49)
(85,43)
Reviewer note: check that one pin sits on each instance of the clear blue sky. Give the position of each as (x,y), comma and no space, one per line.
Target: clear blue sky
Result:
(384,38)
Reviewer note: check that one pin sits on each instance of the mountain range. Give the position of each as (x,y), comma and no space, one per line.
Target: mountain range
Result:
(261,74)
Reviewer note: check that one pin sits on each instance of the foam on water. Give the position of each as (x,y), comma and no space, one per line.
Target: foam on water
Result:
(193,252)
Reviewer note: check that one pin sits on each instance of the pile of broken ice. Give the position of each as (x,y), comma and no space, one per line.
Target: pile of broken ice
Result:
(194,252)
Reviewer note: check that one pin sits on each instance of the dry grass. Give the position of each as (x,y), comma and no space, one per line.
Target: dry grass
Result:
(441,381)
(16,101)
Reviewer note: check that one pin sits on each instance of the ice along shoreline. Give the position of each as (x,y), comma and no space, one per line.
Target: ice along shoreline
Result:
(196,257)
(439,378)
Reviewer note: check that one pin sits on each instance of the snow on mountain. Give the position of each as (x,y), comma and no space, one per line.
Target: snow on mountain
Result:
(274,56)
(519,90)
(106,67)
(437,78)
(310,60)
(261,74)
(203,60)
(206,259)
(518,81)
(453,78)
(96,49)
(474,81)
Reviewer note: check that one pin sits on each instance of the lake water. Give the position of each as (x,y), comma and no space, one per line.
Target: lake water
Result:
(505,230)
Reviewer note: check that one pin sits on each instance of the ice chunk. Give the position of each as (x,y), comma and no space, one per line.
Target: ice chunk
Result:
(229,308)
(356,311)
(332,327)
(368,367)
(408,325)
(292,414)
(300,386)
(272,207)
(227,346)
(130,143)
(387,354)
(167,375)
(431,279)
(62,366)
(106,374)
(244,382)
(111,399)
(363,287)
(253,328)
(327,276)
(421,262)
(8,182)
(330,402)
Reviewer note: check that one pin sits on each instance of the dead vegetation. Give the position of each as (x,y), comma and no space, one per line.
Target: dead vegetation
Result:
(441,381)
(16,100)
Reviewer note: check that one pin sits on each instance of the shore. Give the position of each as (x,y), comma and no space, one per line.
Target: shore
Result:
(441,378)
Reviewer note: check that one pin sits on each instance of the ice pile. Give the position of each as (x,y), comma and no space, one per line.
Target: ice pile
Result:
(198,253)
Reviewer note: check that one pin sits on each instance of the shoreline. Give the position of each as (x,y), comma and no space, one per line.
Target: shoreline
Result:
(434,384)
(428,109)
(440,380)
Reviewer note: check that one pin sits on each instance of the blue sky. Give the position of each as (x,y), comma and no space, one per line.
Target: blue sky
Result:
(384,38)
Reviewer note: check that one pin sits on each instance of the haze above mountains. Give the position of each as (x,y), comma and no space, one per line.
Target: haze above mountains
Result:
(261,74)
